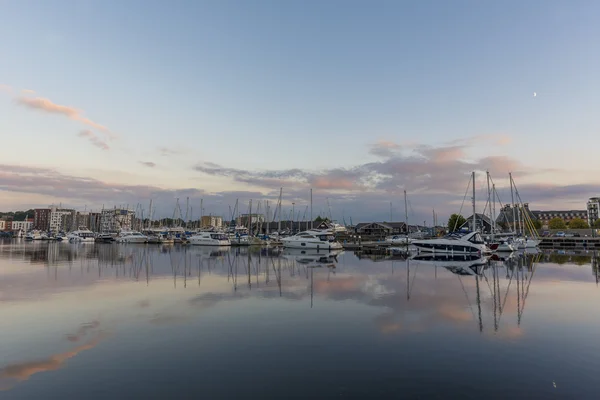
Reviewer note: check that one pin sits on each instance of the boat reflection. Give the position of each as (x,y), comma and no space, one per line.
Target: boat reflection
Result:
(312,258)
(466,264)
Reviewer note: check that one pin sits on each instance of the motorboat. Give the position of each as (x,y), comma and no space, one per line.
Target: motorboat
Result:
(402,240)
(160,238)
(466,264)
(81,235)
(132,237)
(454,243)
(505,245)
(105,238)
(527,243)
(34,235)
(209,239)
(312,239)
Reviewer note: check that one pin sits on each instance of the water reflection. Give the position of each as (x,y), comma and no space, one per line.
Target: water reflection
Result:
(368,296)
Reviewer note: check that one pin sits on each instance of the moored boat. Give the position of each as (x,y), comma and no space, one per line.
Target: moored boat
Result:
(312,239)
(209,239)
(454,243)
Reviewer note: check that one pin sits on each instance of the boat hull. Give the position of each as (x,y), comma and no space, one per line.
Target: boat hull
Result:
(132,240)
(292,244)
(209,242)
(449,248)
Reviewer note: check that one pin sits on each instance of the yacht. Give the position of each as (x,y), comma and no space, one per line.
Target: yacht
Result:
(81,235)
(105,238)
(34,235)
(527,243)
(210,239)
(132,237)
(505,245)
(454,243)
(312,239)
(399,240)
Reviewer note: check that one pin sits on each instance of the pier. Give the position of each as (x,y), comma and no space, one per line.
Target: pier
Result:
(579,243)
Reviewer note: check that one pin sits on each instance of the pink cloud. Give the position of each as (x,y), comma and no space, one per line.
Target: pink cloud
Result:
(323,182)
(42,104)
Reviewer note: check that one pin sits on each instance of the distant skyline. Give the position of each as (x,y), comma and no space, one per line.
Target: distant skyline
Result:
(115,103)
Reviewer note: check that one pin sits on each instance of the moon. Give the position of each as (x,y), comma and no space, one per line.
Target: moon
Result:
(534,94)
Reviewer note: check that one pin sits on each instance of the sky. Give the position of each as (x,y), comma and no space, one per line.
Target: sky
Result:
(106,103)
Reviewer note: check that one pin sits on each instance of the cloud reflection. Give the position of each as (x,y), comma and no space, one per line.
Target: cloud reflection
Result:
(15,373)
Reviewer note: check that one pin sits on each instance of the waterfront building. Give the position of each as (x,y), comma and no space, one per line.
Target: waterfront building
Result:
(2,224)
(593,207)
(24,226)
(89,220)
(61,219)
(213,221)
(380,228)
(566,216)
(116,220)
(41,219)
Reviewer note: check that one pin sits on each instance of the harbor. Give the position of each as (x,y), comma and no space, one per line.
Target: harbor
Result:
(262,305)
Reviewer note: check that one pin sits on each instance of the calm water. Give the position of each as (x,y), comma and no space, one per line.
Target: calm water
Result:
(132,321)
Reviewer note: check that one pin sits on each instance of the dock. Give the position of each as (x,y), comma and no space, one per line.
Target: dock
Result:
(579,243)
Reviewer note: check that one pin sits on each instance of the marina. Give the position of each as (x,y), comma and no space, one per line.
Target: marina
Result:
(383,321)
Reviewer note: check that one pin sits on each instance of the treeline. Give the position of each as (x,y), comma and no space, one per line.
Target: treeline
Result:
(17,215)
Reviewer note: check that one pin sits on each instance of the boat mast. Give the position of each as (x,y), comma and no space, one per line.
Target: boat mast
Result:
(279,211)
(311,210)
(493,210)
(150,215)
(250,219)
(406,215)
(187,210)
(268,217)
(489,202)
(474,215)
(202,211)
(512,199)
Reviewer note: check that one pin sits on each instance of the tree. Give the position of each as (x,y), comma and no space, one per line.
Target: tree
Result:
(537,224)
(557,223)
(578,223)
(455,222)
(597,224)
(319,219)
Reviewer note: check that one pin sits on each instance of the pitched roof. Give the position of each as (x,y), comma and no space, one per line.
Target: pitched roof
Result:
(389,225)
(480,217)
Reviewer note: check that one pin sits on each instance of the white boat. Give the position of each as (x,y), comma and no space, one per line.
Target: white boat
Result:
(454,243)
(527,243)
(312,239)
(505,246)
(399,240)
(132,237)
(34,235)
(81,235)
(209,239)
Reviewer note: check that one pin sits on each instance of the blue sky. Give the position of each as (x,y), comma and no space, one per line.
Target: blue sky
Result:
(259,88)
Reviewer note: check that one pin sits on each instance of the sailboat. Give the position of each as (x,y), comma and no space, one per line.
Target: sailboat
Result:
(457,242)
